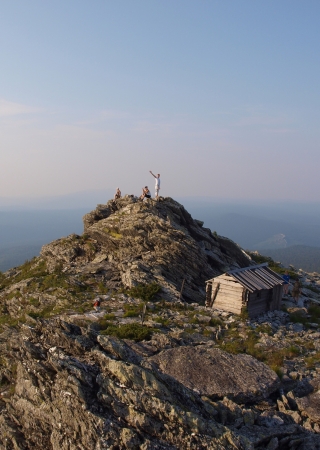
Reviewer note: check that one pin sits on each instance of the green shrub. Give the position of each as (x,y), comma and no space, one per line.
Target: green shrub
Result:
(105,321)
(298,317)
(34,301)
(132,310)
(313,289)
(133,331)
(6,319)
(314,311)
(145,292)
(14,294)
(109,317)
(194,320)
(102,288)
(215,321)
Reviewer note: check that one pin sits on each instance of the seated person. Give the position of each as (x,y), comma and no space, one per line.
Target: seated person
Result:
(117,194)
(145,193)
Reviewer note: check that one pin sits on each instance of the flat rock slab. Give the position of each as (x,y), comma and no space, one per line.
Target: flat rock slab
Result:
(215,373)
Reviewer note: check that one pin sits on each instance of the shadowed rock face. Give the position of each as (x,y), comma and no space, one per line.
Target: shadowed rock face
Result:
(144,242)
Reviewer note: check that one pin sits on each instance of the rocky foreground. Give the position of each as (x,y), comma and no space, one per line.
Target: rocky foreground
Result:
(150,371)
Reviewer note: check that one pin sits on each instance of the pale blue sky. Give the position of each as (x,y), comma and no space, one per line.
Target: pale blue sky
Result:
(220,97)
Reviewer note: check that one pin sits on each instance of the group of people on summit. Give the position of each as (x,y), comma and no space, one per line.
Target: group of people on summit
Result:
(145,191)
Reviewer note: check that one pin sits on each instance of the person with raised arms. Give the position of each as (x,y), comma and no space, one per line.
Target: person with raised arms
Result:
(157,186)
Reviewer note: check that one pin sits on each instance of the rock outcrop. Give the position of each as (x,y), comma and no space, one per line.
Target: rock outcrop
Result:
(130,242)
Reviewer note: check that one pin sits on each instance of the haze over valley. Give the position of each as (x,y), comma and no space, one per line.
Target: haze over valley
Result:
(288,232)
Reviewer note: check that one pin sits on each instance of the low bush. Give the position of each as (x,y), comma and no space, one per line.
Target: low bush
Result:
(215,321)
(132,310)
(145,292)
(272,357)
(298,317)
(162,320)
(314,311)
(34,301)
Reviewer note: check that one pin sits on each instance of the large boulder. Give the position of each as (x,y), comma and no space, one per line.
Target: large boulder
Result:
(215,373)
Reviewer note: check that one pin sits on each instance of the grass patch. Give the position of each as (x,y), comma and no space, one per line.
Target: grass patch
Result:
(162,320)
(9,321)
(30,269)
(244,314)
(113,233)
(273,358)
(133,331)
(54,280)
(264,328)
(102,288)
(34,301)
(313,361)
(14,294)
(178,306)
(43,313)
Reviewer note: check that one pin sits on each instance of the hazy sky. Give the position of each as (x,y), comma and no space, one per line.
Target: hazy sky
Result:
(220,97)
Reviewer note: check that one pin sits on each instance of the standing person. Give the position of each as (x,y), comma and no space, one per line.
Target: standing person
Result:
(286,278)
(296,291)
(157,186)
(117,194)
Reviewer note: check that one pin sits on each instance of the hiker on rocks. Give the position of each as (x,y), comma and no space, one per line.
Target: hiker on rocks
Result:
(157,186)
(96,305)
(145,193)
(286,279)
(117,194)
(296,291)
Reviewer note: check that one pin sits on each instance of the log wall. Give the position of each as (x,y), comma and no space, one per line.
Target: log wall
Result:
(229,295)
(226,293)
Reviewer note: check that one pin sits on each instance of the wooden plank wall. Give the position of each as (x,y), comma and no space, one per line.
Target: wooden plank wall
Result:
(229,295)
(259,304)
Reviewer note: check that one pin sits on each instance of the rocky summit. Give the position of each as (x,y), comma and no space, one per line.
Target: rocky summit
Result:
(151,367)
(129,242)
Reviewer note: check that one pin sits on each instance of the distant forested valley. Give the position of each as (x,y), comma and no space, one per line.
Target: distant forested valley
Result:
(300,256)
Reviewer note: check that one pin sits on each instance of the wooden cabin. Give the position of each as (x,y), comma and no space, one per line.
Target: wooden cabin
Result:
(256,288)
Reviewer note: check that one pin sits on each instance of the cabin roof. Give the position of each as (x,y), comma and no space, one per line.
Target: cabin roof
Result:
(255,278)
